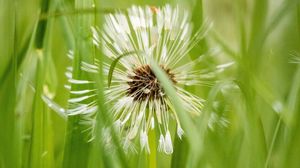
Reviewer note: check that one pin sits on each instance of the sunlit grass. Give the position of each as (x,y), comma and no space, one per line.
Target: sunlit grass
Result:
(250,117)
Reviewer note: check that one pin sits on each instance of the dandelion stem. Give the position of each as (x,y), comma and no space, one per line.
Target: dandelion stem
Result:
(152,144)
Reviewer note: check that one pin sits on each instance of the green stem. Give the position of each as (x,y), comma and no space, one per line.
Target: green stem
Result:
(273,142)
(152,144)
(77,147)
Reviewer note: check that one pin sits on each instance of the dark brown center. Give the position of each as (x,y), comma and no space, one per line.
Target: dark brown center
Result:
(144,84)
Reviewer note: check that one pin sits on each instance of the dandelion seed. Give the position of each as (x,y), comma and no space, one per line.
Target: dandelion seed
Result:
(168,144)
(180,131)
(161,143)
(144,141)
(277,106)
(217,121)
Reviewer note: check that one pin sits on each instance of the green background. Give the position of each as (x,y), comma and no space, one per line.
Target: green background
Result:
(258,95)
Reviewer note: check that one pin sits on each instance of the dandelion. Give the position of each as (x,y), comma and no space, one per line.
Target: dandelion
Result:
(137,99)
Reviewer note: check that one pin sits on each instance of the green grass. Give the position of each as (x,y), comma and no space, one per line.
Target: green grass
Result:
(258,95)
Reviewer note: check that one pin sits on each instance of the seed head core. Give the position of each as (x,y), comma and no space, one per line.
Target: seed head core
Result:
(144,84)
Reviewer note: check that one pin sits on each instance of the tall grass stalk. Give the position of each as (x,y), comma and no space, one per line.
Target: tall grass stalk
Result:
(77,147)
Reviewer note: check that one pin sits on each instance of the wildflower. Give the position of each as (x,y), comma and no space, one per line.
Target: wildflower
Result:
(137,99)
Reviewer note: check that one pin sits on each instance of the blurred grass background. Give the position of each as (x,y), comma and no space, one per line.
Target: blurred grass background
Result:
(258,95)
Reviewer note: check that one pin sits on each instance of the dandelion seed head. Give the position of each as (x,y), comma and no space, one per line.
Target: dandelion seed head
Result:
(137,101)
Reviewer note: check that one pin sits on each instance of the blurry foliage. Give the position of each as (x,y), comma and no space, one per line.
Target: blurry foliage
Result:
(258,95)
